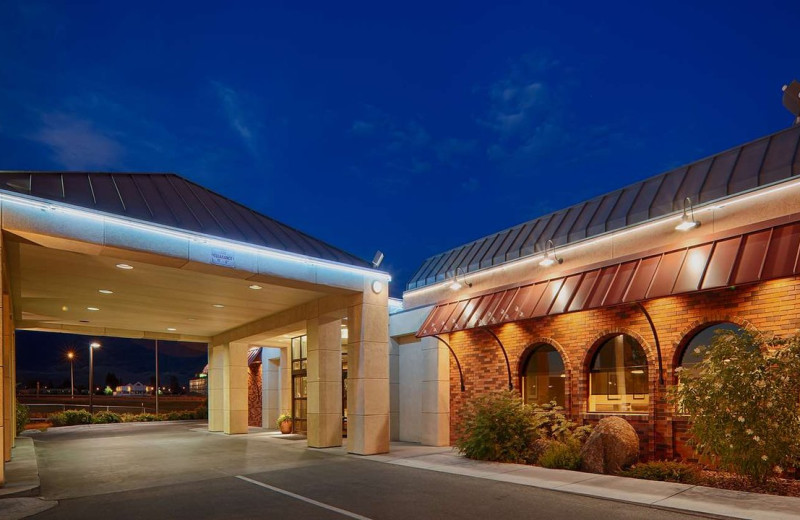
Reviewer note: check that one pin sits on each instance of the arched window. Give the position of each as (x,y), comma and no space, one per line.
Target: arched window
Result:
(544,376)
(618,377)
(703,338)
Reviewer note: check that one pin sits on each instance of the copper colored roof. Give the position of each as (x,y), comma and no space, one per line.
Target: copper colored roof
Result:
(736,260)
(170,200)
(765,161)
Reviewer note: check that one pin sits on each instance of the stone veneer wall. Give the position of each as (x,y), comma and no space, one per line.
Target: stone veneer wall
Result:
(770,307)
(254,395)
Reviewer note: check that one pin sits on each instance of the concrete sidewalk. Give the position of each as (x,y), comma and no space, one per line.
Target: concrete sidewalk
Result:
(664,495)
(22,483)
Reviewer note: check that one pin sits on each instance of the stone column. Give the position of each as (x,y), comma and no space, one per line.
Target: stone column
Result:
(394,390)
(9,411)
(234,392)
(215,384)
(435,427)
(368,373)
(270,366)
(285,400)
(324,382)
(5,425)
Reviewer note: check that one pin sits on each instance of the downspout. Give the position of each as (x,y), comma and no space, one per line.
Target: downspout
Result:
(658,345)
(460,373)
(508,365)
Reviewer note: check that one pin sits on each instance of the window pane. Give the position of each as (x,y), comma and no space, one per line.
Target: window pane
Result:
(703,339)
(618,379)
(544,377)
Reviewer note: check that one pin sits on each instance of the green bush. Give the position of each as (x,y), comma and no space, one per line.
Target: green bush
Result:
(107,417)
(497,427)
(665,471)
(562,455)
(201,412)
(139,417)
(70,418)
(743,405)
(23,417)
(550,423)
(183,415)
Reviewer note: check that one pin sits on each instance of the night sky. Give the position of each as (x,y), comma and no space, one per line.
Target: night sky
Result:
(411,127)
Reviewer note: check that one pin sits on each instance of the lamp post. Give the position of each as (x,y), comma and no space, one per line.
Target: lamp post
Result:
(71,357)
(91,374)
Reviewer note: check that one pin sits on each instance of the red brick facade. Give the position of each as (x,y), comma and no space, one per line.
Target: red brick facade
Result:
(770,307)
(254,395)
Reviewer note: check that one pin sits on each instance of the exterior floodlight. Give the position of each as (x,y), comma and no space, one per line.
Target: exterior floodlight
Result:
(791,99)
(687,220)
(377,259)
(455,284)
(550,257)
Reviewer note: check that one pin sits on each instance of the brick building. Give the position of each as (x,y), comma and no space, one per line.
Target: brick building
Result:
(595,305)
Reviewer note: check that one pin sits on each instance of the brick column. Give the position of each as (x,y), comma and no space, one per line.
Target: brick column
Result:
(368,374)
(435,427)
(324,382)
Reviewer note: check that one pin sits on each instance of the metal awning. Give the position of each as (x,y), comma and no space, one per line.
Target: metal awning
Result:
(735,260)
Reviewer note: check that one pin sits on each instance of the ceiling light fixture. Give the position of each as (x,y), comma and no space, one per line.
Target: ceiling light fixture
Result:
(105,291)
(92,308)
(171,329)
(550,256)
(127,267)
(687,220)
(255,287)
(218,306)
(455,284)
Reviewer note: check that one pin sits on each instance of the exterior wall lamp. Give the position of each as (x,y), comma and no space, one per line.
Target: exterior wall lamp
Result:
(456,285)
(687,220)
(550,256)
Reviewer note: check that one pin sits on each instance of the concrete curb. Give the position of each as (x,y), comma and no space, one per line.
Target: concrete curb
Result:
(683,498)
(22,471)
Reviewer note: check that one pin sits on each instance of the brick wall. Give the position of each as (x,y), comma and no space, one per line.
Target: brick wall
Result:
(772,307)
(254,395)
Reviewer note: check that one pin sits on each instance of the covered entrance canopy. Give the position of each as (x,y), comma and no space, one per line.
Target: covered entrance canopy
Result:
(156,256)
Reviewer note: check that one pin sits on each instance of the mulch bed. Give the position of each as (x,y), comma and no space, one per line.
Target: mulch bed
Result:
(775,486)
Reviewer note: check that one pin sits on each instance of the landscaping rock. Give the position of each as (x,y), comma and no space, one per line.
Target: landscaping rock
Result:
(538,447)
(612,446)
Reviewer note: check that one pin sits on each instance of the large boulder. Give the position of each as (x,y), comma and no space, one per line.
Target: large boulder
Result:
(612,446)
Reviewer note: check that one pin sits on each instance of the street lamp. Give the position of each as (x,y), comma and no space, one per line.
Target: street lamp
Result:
(71,357)
(91,374)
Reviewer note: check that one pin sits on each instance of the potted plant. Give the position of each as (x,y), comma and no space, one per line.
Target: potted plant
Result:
(284,423)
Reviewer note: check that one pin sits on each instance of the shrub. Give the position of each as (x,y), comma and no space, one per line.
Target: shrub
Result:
(23,417)
(201,412)
(562,455)
(665,471)
(183,415)
(497,427)
(107,417)
(140,417)
(742,402)
(550,423)
(70,418)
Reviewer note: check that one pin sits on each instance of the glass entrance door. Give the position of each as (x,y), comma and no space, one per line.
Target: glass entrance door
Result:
(299,385)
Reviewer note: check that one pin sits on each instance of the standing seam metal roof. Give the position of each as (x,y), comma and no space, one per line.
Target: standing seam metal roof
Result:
(761,162)
(171,200)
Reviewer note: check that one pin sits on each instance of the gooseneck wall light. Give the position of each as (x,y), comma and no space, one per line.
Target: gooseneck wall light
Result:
(550,257)
(687,220)
(455,284)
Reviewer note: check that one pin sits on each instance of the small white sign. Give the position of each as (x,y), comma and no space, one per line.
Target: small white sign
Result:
(223,258)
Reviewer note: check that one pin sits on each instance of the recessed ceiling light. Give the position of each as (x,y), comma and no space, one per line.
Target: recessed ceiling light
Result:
(191,319)
(64,308)
(171,329)
(124,266)
(256,287)
(218,306)
(92,308)
(105,291)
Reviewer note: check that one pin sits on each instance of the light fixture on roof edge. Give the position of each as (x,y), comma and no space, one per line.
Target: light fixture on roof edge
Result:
(687,220)
(550,256)
(455,284)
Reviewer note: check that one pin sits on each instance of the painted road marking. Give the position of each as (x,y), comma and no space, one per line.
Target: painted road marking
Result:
(304,499)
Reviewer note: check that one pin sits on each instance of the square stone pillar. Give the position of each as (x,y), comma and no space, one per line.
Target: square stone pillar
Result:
(285,398)
(270,372)
(368,373)
(216,356)
(234,391)
(324,382)
(6,425)
(394,390)
(435,425)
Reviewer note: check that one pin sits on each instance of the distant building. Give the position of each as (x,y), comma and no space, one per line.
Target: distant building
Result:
(199,385)
(136,388)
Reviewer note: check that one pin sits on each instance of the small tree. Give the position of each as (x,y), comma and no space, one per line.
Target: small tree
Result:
(743,400)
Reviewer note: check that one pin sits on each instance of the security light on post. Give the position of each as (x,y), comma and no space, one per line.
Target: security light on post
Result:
(92,346)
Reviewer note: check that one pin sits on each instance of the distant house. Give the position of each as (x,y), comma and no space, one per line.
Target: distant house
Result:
(136,388)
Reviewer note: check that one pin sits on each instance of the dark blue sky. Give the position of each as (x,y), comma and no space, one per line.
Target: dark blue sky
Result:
(408,127)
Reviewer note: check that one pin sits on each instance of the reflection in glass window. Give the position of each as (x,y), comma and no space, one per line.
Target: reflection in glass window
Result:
(703,339)
(618,377)
(544,376)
